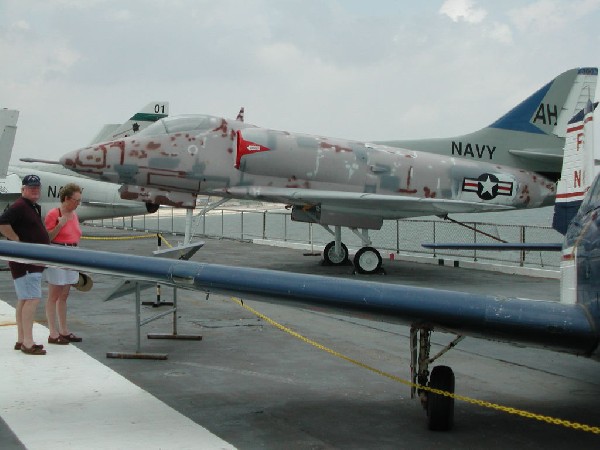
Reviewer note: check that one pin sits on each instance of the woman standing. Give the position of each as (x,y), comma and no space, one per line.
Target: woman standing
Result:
(63,228)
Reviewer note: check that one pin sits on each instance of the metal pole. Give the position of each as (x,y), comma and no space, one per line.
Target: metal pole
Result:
(159,244)
(397,236)
(138,317)
(434,237)
(475,240)
(174,310)
(188,226)
(522,255)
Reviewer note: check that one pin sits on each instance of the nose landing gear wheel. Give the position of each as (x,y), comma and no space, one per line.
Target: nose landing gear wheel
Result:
(367,260)
(334,259)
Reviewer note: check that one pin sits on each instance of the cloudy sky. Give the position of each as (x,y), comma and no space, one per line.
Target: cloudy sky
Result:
(345,68)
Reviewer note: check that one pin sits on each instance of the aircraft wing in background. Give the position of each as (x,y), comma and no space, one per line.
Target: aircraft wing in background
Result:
(500,246)
(349,206)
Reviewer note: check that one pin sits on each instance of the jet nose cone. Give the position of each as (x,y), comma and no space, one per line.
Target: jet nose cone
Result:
(68,160)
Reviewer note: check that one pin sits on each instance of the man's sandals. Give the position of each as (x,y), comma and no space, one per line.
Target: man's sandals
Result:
(64,339)
(71,337)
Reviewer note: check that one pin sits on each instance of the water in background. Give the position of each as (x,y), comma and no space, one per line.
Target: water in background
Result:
(270,222)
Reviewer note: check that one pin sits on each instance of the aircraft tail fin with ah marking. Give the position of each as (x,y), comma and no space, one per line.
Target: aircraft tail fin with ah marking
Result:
(530,136)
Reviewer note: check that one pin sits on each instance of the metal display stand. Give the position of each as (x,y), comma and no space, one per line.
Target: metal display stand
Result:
(158,302)
(128,287)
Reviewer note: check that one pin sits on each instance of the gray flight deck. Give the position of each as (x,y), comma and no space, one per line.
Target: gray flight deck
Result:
(258,387)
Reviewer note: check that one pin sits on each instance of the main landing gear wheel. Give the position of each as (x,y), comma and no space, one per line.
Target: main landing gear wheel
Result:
(334,259)
(367,260)
(440,408)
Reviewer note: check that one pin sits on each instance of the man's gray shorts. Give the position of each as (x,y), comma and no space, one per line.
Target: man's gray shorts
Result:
(29,286)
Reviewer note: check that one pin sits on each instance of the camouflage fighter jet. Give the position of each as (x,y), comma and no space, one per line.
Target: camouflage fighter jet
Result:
(333,182)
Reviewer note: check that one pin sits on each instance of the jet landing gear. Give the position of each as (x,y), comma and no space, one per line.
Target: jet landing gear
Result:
(335,257)
(367,260)
(439,408)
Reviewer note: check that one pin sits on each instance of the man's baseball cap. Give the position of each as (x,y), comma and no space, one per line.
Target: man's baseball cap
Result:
(31,180)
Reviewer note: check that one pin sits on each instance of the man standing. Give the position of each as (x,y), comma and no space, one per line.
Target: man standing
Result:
(22,222)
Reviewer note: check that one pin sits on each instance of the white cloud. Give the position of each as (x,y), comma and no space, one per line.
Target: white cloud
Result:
(501,32)
(551,16)
(463,10)
(61,60)
(21,25)
(122,15)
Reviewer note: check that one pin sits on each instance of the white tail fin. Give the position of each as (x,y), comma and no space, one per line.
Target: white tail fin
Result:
(579,167)
(149,114)
(582,90)
(8,130)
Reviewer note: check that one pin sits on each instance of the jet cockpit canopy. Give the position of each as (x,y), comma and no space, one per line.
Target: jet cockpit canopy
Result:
(194,123)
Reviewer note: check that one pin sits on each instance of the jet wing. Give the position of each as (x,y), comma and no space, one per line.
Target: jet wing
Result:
(9,197)
(387,206)
(500,246)
(548,324)
(542,155)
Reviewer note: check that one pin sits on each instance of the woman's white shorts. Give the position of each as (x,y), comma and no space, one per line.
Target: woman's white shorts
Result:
(61,277)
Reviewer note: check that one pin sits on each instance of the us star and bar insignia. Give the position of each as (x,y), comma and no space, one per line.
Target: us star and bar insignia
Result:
(487,186)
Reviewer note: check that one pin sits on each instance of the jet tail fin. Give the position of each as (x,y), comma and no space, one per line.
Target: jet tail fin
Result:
(530,136)
(149,114)
(548,110)
(8,130)
(579,167)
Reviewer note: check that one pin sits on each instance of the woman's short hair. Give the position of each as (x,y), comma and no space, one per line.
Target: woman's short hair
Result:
(68,190)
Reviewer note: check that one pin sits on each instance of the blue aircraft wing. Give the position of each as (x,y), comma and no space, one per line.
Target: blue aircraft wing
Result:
(550,324)
(500,246)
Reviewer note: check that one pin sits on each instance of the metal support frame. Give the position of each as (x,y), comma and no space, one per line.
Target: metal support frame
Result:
(363,235)
(420,345)
(420,349)
(158,302)
(139,322)
(338,240)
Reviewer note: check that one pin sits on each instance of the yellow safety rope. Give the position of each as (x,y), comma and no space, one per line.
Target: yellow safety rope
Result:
(485,404)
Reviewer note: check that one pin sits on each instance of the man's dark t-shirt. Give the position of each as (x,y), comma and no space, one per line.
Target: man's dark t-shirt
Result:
(25,218)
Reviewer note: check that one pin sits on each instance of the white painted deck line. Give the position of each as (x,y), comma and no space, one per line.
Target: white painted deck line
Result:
(68,400)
